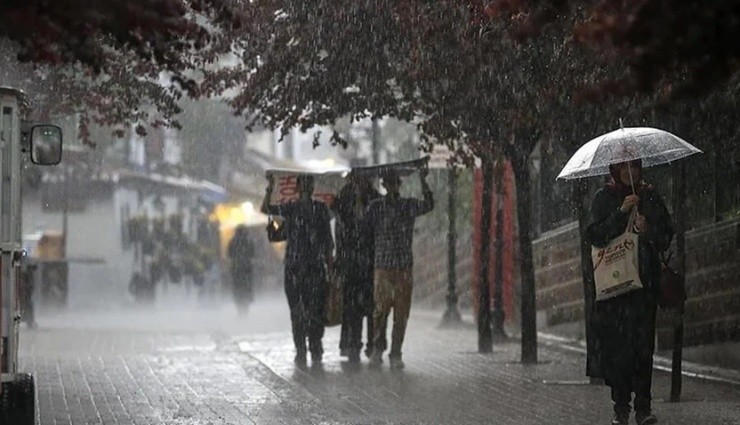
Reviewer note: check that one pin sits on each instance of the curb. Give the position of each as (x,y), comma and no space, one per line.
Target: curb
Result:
(663,364)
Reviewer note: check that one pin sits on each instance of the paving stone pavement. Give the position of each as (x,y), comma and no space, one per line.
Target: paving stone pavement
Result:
(222,374)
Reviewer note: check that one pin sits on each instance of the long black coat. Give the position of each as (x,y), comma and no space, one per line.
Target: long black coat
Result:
(355,248)
(624,326)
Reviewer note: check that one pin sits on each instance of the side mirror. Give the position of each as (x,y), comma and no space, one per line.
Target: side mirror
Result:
(46,144)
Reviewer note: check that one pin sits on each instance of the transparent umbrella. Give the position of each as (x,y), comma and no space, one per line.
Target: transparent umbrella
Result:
(651,145)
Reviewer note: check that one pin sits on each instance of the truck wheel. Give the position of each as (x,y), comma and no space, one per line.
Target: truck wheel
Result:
(23,396)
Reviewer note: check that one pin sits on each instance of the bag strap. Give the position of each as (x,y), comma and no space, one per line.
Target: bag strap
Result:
(631,221)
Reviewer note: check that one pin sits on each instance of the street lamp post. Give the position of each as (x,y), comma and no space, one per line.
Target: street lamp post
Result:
(679,198)
(485,335)
(452,314)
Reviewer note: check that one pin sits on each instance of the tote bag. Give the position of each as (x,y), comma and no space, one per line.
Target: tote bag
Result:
(616,268)
(333,306)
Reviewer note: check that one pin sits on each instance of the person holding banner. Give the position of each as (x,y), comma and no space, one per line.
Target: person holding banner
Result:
(308,253)
(624,322)
(355,250)
(392,217)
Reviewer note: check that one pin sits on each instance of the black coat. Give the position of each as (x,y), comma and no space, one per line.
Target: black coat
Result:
(624,326)
(355,238)
(241,252)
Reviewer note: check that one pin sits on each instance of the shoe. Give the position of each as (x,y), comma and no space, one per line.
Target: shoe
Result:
(396,363)
(376,359)
(300,360)
(368,352)
(316,358)
(343,352)
(645,419)
(620,420)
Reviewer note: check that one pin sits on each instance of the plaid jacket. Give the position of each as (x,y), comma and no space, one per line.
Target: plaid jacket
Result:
(393,221)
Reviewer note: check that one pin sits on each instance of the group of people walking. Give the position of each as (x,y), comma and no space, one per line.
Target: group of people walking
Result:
(373,259)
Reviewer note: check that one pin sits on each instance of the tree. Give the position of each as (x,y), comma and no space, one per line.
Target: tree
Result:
(680,47)
(161,32)
(118,61)
(317,62)
(462,77)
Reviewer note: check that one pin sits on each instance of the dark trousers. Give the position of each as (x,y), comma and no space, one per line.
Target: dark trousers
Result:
(631,365)
(358,306)
(640,386)
(305,288)
(352,323)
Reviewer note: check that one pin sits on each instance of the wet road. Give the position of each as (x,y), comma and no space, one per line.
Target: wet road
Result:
(202,366)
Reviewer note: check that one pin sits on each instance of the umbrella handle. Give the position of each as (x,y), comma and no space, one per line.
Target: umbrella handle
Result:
(632,181)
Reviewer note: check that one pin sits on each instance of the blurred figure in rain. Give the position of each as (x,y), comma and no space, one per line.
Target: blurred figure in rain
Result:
(27,286)
(355,263)
(308,253)
(241,253)
(392,218)
(624,326)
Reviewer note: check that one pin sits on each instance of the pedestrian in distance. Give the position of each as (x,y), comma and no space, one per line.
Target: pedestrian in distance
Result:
(355,264)
(308,254)
(28,272)
(392,218)
(241,252)
(624,325)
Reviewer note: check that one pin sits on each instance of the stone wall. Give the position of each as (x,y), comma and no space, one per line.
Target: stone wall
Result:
(712,311)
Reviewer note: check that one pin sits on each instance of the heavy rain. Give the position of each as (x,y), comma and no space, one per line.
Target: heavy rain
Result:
(369,212)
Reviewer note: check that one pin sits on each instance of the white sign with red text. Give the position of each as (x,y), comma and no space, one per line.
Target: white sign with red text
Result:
(285,189)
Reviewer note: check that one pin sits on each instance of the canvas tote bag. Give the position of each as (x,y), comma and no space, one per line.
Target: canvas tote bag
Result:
(616,268)
(334,305)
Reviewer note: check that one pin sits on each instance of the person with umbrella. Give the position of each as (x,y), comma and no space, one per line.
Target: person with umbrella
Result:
(624,325)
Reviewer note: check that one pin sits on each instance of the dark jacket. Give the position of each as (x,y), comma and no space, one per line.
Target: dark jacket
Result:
(355,237)
(309,232)
(624,326)
(241,252)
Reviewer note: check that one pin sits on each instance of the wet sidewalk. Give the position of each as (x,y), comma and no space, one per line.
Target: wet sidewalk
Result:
(447,382)
(217,369)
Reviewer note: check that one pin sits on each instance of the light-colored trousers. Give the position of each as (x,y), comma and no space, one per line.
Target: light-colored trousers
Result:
(393,290)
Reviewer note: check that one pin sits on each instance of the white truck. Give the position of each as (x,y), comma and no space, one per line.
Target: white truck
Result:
(44,143)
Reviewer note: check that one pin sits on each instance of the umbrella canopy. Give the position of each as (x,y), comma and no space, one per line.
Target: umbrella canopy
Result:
(651,145)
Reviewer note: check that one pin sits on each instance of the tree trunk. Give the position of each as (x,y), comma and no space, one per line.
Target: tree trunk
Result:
(452,315)
(520,164)
(485,337)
